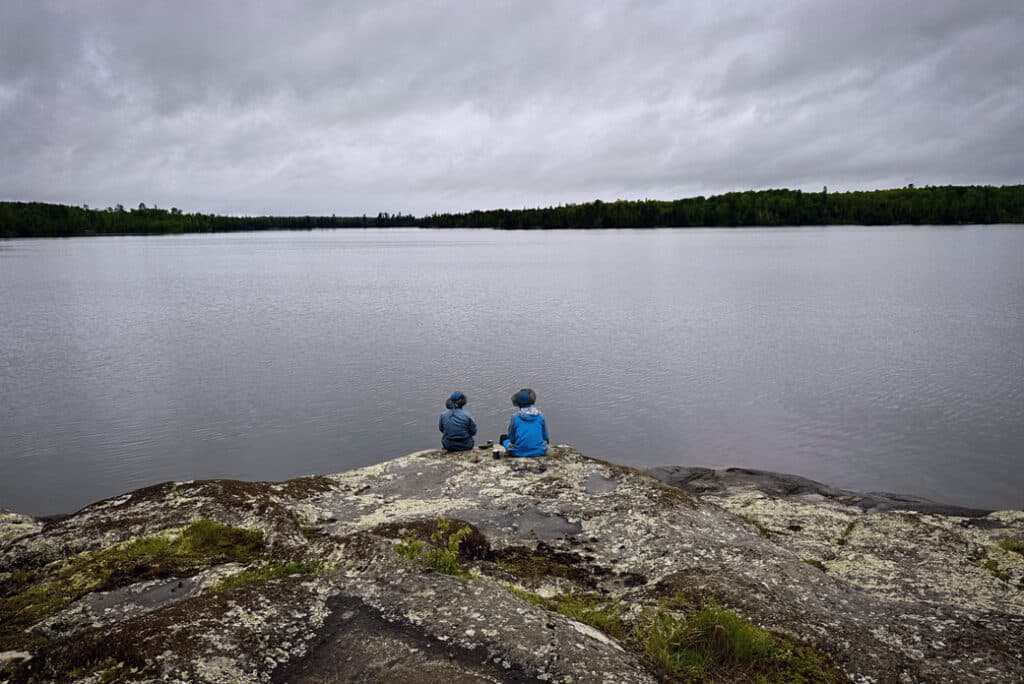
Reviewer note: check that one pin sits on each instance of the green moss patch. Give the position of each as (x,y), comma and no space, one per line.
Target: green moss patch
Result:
(265,499)
(708,643)
(1013,545)
(216,542)
(594,610)
(112,671)
(589,608)
(15,638)
(528,596)
(714,644)
(473,545)
(993,569)
(31,596)
(269,572)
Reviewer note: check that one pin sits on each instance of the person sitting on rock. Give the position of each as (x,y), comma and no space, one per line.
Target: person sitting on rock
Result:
(456,424)
(527,431)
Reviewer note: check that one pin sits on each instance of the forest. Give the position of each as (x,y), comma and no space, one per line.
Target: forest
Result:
(930,205)
(37,219)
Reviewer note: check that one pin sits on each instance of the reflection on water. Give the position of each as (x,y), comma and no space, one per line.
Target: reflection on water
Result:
(878,359)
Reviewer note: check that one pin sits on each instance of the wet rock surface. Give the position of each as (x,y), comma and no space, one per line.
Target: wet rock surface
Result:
(888,590)
(720,481)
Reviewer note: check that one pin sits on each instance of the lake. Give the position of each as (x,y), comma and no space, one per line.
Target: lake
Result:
(869,358)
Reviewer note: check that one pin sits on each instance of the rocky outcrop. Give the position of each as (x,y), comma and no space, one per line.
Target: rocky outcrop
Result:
(457,567)
(892,547)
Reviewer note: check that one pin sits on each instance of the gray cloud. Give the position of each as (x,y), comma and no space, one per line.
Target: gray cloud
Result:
(326,107)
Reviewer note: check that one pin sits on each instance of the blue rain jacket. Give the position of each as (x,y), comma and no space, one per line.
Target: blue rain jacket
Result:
(527,433)
(458,428)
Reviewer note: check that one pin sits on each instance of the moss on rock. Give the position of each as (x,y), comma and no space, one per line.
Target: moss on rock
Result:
(715,644)
(573,565)
(1012,545)
(29,597)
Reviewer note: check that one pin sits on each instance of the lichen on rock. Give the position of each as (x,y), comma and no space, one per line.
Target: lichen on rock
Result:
(563,563)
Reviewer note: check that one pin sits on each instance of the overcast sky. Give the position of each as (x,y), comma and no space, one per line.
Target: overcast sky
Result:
(359,107)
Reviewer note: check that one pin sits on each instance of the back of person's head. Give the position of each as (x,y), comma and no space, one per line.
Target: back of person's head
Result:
(457,400)
(524,397)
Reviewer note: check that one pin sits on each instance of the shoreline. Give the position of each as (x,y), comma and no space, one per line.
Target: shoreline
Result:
(696,480)
(602,229)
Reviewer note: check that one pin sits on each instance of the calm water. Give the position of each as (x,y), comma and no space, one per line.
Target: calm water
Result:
(876,359)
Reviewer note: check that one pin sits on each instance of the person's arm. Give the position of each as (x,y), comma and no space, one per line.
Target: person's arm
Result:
(471,426)
(544,429)
(511,433)
(440,423)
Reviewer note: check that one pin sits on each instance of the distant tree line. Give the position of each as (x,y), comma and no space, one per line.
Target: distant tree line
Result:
(36,219)
(928,205)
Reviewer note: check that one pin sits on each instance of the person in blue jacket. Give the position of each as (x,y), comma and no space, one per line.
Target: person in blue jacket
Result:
(527,431)
(456,424)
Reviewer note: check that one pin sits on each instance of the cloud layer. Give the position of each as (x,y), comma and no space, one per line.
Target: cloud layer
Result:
(359,107)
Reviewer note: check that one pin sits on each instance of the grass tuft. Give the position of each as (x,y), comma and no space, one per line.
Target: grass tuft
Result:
(765,532)
(214,540)
(269,572)
(410,548)
(593,610)
(442,554)
(110,671)
(528,596)
(715,644)
(1013,545)
(711,638)
(846,532)
(993,568)
(588,608)
(709,644)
